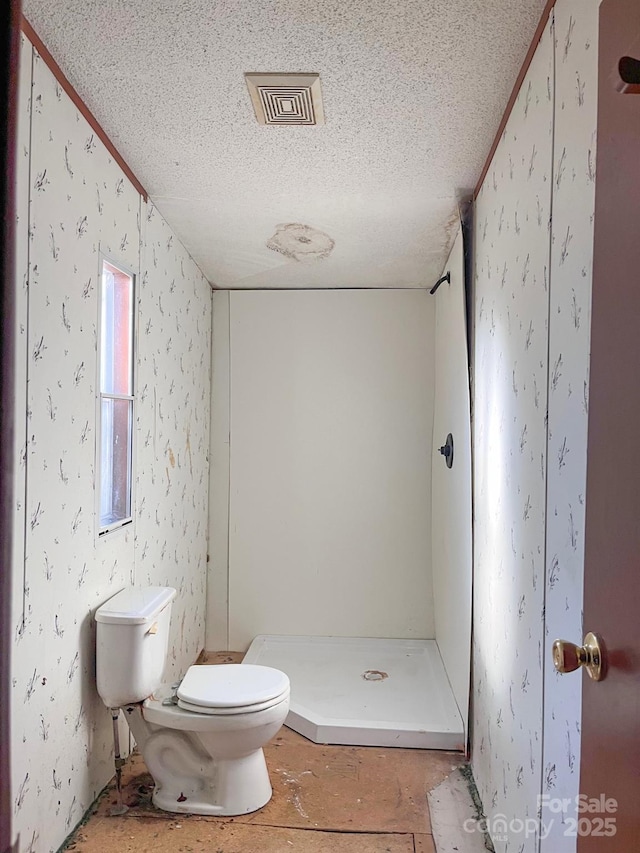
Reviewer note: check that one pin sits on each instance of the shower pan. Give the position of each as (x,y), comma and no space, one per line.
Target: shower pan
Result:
(365,692)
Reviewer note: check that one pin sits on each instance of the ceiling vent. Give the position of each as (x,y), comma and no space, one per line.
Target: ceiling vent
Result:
(286,99)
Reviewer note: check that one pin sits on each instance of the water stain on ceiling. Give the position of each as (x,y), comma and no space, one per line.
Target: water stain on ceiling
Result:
(300,242)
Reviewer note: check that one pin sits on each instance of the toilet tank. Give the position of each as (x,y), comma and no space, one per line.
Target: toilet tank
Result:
(132,640)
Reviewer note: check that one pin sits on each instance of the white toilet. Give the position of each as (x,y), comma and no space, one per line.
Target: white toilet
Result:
(201,739)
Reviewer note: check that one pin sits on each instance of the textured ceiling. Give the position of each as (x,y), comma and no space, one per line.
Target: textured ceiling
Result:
(413,93)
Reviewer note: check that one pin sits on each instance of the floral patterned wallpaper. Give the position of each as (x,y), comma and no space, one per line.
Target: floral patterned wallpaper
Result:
(533,277)
(21,344)
(512,302)
(576,91)
(174,388)
(80,205)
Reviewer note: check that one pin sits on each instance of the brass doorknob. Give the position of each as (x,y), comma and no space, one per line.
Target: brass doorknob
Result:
(568,657)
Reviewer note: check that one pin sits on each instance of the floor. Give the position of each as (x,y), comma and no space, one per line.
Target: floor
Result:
(344,799)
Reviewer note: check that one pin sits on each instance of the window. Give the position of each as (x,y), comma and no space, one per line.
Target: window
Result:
(115,405)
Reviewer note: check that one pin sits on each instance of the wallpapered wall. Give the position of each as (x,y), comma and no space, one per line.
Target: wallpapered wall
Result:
(576,94)
(512,278)
(533,292)
(172,473)
(82,204)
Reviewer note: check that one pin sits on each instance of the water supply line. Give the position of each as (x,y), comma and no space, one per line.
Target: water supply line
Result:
(119,807)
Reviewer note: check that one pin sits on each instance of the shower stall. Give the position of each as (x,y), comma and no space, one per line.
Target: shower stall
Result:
(340,528)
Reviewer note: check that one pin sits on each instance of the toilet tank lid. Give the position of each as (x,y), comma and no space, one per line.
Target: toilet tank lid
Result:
(135,606)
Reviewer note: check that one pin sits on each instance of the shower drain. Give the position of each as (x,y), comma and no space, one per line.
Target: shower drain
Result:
(374,675)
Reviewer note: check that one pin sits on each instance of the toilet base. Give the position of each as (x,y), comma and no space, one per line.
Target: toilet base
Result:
(226,787)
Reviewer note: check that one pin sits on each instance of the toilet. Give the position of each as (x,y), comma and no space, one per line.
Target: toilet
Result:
(201,739)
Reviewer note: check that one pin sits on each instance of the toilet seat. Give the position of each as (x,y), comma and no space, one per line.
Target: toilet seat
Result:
(236,709)
(174,717)
(227,689)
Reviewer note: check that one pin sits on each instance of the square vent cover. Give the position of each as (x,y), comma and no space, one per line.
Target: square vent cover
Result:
(286,99)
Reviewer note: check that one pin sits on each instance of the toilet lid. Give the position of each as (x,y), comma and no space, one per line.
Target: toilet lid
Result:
(231,685)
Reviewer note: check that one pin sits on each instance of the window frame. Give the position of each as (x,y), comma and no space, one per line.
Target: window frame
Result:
(102,531)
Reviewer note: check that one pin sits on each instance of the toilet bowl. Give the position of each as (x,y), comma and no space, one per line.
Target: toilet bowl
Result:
(210,761)
(202,738)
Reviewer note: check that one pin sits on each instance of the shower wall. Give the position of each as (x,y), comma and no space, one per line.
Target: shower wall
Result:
(331,412)
(73,202)
(451,538)
(533,255)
